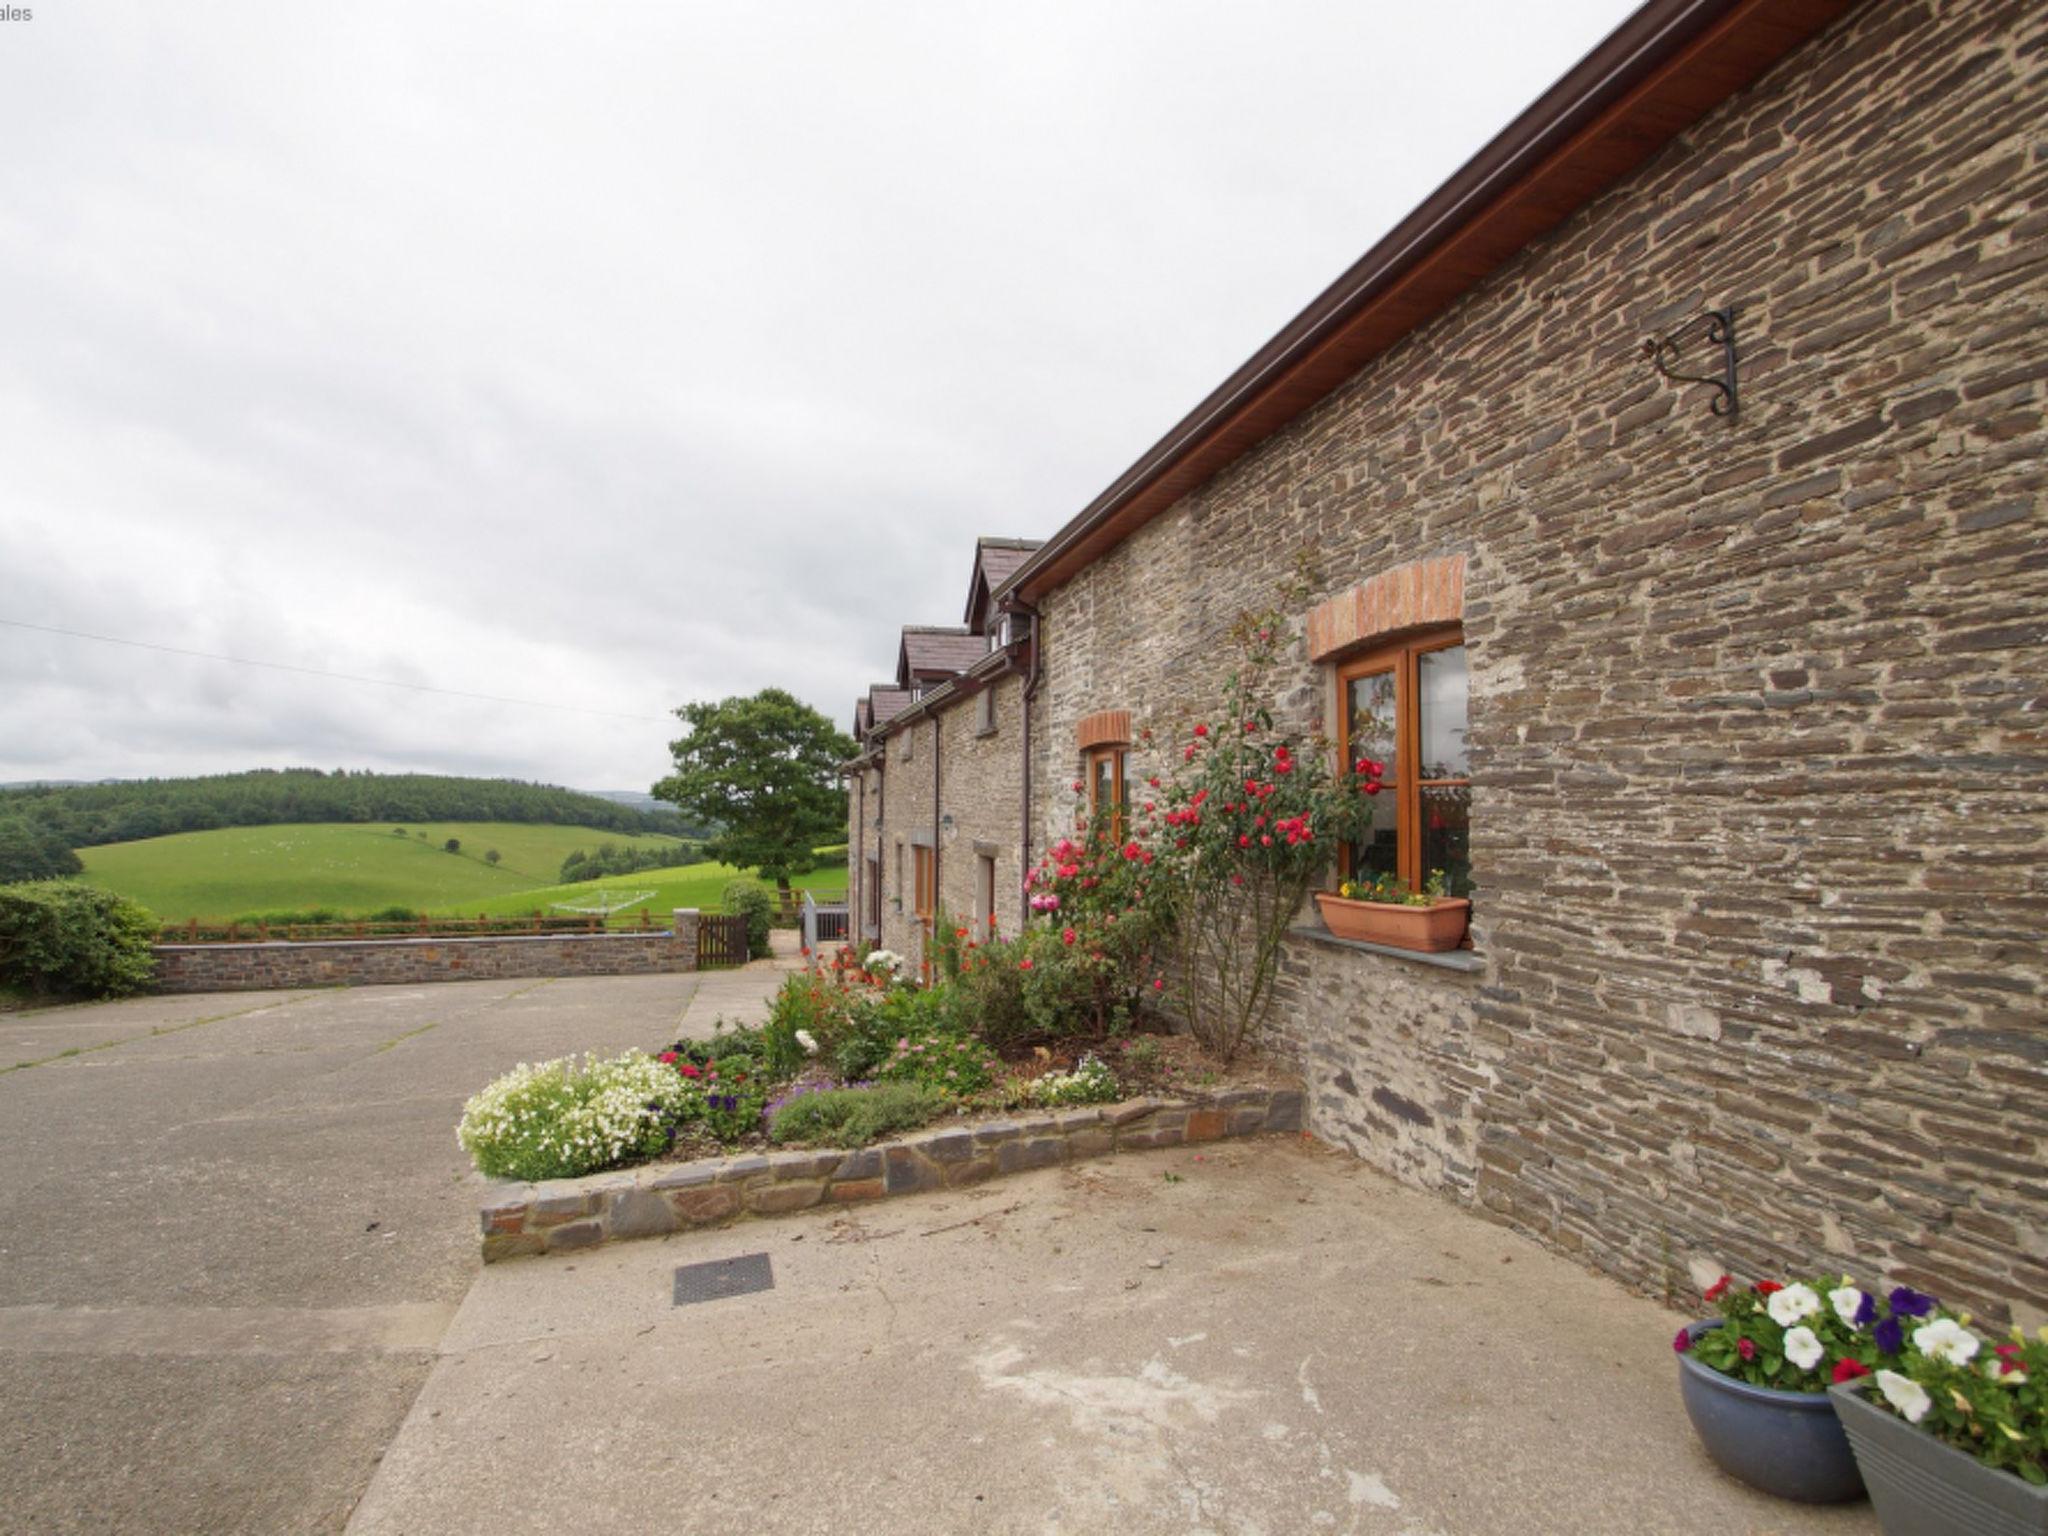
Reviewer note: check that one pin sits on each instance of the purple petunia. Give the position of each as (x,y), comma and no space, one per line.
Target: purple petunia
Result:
(1907,1302)
(1866,1309)
(1890,1335)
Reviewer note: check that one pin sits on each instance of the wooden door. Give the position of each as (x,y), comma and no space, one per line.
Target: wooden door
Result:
(925,873)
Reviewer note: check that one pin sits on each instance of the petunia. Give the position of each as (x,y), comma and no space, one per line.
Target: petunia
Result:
(1889,1336)
(1907,1302)
(1718,1289)
(1746,1348)
(1848,1370)
(1908,1396)
(1947,1340)
(1803,1347)
(1791,1303)
(1684,1340)
(1847,1302)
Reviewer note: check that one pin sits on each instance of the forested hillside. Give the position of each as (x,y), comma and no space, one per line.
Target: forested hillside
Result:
(87,815)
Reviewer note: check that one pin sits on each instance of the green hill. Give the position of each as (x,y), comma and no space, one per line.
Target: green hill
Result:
(221,875)
(690,885)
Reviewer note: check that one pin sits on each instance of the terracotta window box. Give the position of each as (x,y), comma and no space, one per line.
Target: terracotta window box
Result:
(1432,929)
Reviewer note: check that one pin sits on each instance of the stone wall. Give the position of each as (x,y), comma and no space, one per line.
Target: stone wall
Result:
(908,823)
(1759,824)
(383,962)
(982,783)
(571,1214)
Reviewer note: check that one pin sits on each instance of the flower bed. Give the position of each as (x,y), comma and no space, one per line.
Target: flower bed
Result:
(660,1198)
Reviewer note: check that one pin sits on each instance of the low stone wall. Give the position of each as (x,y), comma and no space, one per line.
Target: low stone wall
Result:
(384,962)
(571,1214)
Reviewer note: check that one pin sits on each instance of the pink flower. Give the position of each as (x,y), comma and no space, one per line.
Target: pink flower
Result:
(1024,964)
(1067,936)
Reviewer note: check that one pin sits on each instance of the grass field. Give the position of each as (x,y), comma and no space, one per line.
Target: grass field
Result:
(689,885)
(221,875)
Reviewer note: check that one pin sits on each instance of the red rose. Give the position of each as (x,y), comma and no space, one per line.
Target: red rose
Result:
(1849,1370)
(1718,1289)
(1067,937)
(1746,1348)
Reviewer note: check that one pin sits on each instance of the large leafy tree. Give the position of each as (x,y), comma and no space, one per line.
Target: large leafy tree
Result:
(765,771)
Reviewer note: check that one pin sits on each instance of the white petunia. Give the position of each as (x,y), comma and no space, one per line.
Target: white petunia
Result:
(1847,1302)
(1792,1304)
(1909,1397)
(1945,1339)
(1803,1347)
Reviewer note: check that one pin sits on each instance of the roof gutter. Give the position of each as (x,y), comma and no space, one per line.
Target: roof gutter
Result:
(1660,71)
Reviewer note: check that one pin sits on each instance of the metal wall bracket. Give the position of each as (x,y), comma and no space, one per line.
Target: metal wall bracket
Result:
(1714,328)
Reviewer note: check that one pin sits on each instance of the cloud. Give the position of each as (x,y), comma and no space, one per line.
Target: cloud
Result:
(619,355)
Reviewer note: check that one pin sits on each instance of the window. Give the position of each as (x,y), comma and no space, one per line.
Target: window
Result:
(899,877)
(985,712)
(873,893)
(1106,787)
(1405,705)
(908,753)
(985,896)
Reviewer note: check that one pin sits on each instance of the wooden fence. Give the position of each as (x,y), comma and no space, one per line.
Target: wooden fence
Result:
(196,932)
(721,941)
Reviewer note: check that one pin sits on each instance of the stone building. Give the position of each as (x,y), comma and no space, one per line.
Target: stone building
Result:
(936,805)
(1729,692)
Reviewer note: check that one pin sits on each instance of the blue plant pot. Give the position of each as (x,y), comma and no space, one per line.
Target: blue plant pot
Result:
(1785,1443)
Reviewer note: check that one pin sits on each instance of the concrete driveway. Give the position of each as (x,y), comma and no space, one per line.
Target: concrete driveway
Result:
(234,1227)
(1260,1337)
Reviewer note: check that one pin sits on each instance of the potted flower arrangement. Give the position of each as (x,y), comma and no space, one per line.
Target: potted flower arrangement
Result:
(1754,1381)
(1381,909)
(1950,1430)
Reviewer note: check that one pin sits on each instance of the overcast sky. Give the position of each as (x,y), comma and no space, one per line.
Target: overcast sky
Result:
(614,355)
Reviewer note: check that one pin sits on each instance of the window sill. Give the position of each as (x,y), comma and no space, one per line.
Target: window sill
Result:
(1463,961)
(987,730)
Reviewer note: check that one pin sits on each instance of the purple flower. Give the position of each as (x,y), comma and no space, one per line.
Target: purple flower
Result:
(1866,1310)
(1889,1335)
(1907,1302)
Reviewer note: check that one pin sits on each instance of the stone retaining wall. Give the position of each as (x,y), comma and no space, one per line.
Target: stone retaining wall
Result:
(569,1214)
(383,962)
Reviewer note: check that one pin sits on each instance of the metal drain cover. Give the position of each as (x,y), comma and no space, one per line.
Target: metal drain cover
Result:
(723,1277)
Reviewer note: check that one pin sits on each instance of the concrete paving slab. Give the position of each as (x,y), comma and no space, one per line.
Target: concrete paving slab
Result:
(232,1228)
(1273,1339)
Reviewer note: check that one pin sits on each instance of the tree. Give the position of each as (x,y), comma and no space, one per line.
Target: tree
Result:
(29,852)
(491,857)
(453,845)
(765,771)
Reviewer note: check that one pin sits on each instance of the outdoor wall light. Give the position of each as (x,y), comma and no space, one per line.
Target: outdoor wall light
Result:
(1704,333)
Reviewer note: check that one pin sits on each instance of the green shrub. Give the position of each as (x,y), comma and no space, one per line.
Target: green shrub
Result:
(853,1117)
(559,1119)
(755,902)
(58,937)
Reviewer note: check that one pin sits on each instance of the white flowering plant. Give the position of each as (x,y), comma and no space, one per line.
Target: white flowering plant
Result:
(1987,1399)
(558,1119)
(1091,1082)
(1791,1337)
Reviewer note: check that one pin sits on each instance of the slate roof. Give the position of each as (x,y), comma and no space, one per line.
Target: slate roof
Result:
(885,703)
(934,651)
(995,562)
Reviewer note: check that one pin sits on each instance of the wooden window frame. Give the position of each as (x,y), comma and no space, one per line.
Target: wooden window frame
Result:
(1402,658)
(1114,753)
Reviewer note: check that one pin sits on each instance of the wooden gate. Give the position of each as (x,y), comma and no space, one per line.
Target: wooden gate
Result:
(721,941)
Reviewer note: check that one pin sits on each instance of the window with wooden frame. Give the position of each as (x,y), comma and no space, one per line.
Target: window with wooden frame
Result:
(1106,788)
(1405,705)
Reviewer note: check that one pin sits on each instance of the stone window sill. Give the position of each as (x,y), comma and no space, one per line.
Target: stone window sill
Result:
(1464,961)
(986,730)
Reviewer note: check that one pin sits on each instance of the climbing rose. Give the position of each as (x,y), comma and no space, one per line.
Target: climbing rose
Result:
(1201,730)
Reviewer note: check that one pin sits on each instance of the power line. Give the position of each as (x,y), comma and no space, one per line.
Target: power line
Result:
(344,677)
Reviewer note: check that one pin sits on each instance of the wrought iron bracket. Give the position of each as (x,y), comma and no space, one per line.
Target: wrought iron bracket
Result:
(1713,328)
